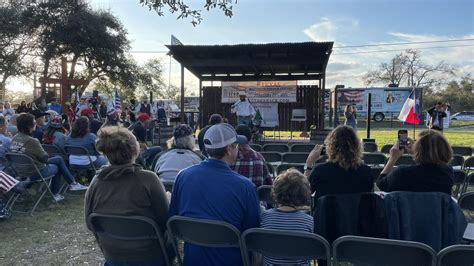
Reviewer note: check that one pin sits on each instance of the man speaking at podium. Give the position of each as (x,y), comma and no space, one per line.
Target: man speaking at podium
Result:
(244,110)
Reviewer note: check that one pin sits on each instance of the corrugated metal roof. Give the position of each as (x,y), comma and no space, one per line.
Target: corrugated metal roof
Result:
(271,61)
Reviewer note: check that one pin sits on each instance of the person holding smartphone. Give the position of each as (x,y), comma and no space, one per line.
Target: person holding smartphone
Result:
(432,172)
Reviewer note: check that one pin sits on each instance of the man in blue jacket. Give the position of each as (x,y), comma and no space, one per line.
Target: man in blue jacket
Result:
(211,190)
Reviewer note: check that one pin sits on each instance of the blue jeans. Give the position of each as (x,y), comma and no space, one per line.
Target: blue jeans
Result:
(55,167)
(98,163)
(243,120)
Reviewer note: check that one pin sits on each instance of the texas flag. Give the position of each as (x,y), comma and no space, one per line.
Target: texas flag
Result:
(410,110)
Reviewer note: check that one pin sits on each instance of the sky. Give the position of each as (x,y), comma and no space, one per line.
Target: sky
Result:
(346,23)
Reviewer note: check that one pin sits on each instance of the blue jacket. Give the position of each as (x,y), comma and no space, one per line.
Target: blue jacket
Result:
(432,218)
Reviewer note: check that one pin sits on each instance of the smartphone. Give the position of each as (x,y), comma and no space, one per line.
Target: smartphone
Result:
(403,139)
(323,150)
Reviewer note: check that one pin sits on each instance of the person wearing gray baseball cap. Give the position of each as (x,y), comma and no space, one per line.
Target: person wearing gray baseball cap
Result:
(211,190)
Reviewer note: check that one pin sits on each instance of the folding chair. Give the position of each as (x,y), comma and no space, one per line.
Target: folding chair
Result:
(81,151)
(459,255)
(24,161)
(256,147)
(374,159)
(53,150)
(468,182)
(285,166)
(469,164)
(405,159)
(386,148)
(295,157)
(168,185)
(369,147)
(459,180)
(264,193)
(276,147)
(377,251)
(271,169)
(285,244)
(302,148)
(462,150)
(457,162)
(466,203)
(271,157)
(206,233)
(126,229)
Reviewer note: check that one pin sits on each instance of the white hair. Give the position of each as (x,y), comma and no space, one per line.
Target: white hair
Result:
(186,142)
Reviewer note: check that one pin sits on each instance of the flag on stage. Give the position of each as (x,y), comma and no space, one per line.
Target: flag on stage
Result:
(175,41)
(117,101)
(410,110)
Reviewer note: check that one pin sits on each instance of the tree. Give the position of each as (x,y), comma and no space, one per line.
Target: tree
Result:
(185,11)
(151,79)
(407,68)
(388,73)
(14,45)
(93,41)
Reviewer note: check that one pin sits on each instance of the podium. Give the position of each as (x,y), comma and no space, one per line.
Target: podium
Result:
(297,115)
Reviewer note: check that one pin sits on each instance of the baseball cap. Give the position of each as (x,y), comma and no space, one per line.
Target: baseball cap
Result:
(37,113)
(142,117)
(56,122)
(86,111)
(242,93)
(222,135)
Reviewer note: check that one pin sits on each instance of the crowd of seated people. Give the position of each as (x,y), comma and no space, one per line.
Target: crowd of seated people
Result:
(220,186)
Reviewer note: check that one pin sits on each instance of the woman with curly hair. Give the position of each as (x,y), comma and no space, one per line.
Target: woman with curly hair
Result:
(344,171)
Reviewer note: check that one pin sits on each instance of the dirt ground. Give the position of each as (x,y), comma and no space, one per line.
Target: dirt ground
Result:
(55,235)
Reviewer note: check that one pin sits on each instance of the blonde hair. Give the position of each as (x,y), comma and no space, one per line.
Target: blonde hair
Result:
(343,147)
(291,188)
(118,144)
(432,148)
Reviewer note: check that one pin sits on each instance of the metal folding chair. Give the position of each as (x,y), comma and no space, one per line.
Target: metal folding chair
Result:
(302,148)
(256,147)
(295,157)
(462,150)
(369,147)
(459,180)
(53,150)
(459,255)
(44,182)
(285,244)
(386,148)
(276,147)
(271,156)
(457,162)
(377,251)
(80,151)
(127,229)
(206,233)
(285,166)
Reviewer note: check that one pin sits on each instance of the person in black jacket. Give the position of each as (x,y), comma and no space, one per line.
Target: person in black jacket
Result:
(437,115)
(432,172)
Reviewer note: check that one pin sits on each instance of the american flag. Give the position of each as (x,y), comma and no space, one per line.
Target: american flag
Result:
(117,101)
(353,96)
(7,182)
(77,101)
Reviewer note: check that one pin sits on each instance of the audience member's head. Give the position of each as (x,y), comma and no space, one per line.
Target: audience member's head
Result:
(13,119)
(118,144)
(291,188)
(343,147)
(3,125)
(144,118)
(80,127)
(221,142)
(432,148)
(244,130)
(215,119)
(87,112)
(183,138)
(39,117)
(26,123)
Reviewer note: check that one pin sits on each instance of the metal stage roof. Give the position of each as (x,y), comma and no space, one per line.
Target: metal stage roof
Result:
(255,62)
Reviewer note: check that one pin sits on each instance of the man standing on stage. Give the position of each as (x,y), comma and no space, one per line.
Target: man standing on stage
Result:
(244,110)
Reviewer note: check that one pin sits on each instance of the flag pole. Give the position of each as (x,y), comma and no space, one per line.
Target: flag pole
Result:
(414,110)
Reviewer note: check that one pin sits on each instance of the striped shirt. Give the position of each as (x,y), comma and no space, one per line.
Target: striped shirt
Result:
(283,220)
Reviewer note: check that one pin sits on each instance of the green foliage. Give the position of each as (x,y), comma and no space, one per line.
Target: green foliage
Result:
(458,95)
(186,11)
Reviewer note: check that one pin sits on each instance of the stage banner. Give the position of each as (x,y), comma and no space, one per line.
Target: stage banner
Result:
(268,113)
(260,91)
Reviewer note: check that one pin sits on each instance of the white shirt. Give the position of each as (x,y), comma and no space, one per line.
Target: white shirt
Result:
(243,108)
